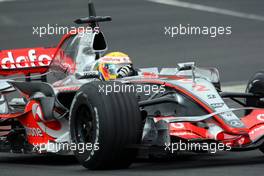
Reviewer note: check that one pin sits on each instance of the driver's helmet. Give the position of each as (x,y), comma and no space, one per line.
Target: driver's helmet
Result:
(109,65)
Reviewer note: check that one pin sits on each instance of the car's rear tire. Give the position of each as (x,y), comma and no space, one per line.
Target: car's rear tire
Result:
(111,123)
(256,86)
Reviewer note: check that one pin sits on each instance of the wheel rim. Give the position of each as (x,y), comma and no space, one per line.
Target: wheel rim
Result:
(85,125)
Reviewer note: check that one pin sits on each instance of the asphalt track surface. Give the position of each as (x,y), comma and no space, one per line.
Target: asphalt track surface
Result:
(138,29)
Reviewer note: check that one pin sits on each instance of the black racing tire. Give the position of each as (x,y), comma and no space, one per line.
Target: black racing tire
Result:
(255,86)
(111,123)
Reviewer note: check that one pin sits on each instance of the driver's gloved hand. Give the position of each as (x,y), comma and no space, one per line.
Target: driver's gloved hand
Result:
(126,71)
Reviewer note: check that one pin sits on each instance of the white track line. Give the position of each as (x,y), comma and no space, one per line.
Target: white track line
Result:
(210,9)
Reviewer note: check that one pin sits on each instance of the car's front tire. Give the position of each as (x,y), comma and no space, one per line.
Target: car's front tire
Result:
(111,123)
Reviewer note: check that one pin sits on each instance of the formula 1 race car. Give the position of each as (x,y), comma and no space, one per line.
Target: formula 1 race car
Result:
(60,108)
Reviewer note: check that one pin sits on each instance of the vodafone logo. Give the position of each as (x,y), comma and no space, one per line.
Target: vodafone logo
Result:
(34,132)
(260,117)
(31,60)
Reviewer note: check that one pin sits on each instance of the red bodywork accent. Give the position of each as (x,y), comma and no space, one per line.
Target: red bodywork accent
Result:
(255,123)
(31,122)
(36,134)
(31,60)
(25,61)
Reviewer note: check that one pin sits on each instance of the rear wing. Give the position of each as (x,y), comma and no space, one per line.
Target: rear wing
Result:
(25,61)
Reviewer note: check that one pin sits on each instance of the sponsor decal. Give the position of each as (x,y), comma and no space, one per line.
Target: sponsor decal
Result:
(228,114)
(34,132)
(217,105)
(211,96)
(116,60)
(11,59)
(235,123)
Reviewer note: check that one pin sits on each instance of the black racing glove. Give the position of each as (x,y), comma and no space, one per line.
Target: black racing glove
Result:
(126,71)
